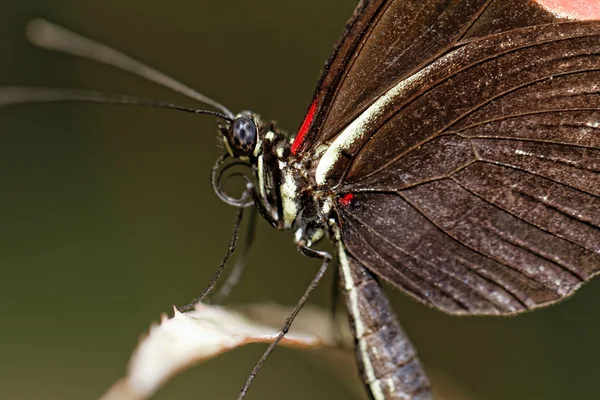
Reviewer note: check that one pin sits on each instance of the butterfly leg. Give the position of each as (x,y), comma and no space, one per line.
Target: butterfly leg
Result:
(230,250)
(240,263)
(325,260)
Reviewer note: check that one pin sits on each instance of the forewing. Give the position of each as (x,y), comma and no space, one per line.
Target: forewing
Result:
(477,188)
(385,41)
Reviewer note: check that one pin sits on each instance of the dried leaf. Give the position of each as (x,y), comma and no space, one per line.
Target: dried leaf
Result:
(192,337)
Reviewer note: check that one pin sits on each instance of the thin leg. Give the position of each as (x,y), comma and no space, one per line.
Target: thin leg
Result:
(326,257)
(234,277)
(260,207)
(230,250)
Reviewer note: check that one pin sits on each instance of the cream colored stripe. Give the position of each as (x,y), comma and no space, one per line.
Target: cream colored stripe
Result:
(357,128)
(352,291)
(359,326)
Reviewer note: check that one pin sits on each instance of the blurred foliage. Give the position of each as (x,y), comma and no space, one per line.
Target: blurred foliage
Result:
(108,219)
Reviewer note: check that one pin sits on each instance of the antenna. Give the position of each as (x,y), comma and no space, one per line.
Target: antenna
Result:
(50,36)
(12,95)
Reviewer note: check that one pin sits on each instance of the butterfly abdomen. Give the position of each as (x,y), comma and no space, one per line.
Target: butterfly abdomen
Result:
(387,361)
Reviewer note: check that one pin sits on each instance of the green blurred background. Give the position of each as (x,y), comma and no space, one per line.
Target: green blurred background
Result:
(108,219)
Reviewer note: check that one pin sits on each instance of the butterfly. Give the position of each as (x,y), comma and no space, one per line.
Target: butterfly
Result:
(451,149)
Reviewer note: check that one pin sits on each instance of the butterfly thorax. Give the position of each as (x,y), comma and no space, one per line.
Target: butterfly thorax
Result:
(285,190)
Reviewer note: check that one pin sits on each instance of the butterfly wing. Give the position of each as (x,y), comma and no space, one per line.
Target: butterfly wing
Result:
(477,185)
(385,41)
(469,135)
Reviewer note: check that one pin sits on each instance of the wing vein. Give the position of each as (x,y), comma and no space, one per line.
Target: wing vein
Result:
(517,243)
(511,116)
(511,166)
(447,273)
(460,242)
(434,85)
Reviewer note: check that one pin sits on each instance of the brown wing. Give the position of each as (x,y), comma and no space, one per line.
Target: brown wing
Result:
(477,188)
(385,41)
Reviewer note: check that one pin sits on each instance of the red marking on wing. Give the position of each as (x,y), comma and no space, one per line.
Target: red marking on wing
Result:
(346,199)
(580,9)
(304,128)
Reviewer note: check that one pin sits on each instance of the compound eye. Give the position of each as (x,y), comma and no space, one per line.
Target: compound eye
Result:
(242,136)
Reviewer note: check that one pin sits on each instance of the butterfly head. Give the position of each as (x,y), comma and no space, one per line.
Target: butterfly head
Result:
(241,135)
(247,136)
